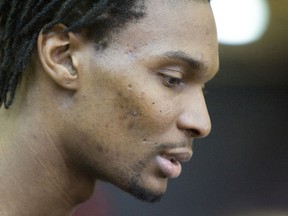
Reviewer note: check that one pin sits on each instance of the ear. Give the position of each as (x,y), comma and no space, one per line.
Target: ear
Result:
(56,56)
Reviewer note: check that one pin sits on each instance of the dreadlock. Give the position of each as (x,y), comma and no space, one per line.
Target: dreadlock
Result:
(21,21)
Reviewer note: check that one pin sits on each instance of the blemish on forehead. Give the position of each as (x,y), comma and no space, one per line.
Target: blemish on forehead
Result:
(132,49)
(130,87)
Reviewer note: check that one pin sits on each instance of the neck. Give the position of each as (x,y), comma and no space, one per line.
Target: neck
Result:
(35,177)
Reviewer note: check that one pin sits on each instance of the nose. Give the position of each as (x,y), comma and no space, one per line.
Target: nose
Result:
(194,118)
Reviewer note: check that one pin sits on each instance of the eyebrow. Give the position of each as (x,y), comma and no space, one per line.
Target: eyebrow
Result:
(185,58)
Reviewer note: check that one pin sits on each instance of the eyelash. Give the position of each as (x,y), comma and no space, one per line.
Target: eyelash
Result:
(171,81)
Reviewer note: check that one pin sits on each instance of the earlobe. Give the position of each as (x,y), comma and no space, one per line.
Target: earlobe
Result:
(54,50)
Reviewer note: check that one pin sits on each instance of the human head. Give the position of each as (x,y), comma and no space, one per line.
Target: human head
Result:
(136,103)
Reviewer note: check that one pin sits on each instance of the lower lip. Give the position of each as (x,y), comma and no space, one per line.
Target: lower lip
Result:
(169,169)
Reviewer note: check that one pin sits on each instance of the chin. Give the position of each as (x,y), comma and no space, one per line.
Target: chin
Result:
(141,191)
(144,194)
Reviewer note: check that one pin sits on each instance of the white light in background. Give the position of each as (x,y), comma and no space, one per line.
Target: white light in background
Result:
(240,21)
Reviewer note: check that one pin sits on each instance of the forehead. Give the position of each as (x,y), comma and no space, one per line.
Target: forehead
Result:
(186,11)
(178,22)
(169,25)
(185,1)
(181,15)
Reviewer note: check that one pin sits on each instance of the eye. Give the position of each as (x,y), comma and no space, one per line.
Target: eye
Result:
(171,81)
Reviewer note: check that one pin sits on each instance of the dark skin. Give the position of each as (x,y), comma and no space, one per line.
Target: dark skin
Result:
(127,114)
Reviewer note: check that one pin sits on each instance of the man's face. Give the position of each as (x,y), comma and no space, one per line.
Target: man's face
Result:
(140,102)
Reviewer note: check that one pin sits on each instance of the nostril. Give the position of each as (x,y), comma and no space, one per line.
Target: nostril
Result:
(194,132)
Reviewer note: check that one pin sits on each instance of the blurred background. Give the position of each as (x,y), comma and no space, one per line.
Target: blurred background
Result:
(241,169)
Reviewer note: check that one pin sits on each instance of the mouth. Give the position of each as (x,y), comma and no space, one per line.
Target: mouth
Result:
(169,162)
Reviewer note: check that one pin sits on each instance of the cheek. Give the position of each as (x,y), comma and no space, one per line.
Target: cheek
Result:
(143,113)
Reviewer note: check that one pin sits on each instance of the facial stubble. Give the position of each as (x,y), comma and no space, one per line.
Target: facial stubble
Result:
(137,189)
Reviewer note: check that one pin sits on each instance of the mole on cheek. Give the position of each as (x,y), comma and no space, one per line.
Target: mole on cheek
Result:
(100,149)
(131,125)
(135,114)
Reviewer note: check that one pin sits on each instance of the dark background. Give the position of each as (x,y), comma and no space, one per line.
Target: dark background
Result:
(243,165)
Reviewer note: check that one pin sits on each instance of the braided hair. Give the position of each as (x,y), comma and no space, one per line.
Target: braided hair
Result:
(21,21)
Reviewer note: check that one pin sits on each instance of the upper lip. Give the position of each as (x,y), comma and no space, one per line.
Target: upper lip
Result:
(179,154)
